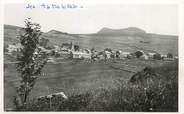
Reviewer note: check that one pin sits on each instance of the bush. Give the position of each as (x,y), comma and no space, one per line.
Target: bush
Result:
(5,48)
(157,56)
(160,94)
(169,55)
(138,54)
(76,102)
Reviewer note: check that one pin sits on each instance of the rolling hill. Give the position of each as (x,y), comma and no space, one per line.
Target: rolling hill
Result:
(126,31)
(127,39)
(79,76)
(10,33)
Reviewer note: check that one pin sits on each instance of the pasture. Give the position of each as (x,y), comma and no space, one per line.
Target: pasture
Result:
(75,76)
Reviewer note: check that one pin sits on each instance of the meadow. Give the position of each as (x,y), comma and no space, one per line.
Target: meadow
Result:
(101,85)
(75,76)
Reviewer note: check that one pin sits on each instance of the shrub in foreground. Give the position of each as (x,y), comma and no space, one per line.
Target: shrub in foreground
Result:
(160,94)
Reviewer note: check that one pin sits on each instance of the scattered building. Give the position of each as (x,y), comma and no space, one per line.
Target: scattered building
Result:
(169,59)
(80,55)
(151,54)
(14,48)
(176,57)
(144,56)
(101,57)
(56,48)
(47,51)
(107,54)
(124,55)
(67,51)
(51,59)
(163,56)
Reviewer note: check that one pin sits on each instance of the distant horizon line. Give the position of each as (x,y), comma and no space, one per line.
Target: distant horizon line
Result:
(99,30)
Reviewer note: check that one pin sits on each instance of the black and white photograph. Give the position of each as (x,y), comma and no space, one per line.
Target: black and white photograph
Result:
(79,57)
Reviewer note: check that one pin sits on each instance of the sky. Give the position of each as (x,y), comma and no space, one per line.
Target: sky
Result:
(153,18)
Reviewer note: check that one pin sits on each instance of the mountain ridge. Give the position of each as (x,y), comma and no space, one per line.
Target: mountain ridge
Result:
(126,42)
(132,29)
(53,31)
(129,30)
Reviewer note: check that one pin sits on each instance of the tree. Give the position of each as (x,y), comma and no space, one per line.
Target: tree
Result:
(93,53)
(157,56)
(108,49)
(76,47)
(5,48)
(117,54)
(138,54)
(71,45)
(92,49)
(169,55)
(112,55)
(31,59)
(44,42)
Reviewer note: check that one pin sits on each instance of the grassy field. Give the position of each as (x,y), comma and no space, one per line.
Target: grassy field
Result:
(78,77)
(74,77)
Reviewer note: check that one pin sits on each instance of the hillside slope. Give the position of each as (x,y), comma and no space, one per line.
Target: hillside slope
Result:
(128,39)
(10,33)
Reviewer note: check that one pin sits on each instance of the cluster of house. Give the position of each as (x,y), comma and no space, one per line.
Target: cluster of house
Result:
(12,48)
(74,52)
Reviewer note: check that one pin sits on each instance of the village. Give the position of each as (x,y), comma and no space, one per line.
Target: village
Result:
(91,57)
(72,51)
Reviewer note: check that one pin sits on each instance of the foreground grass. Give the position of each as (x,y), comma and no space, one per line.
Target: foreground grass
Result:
(153,90)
